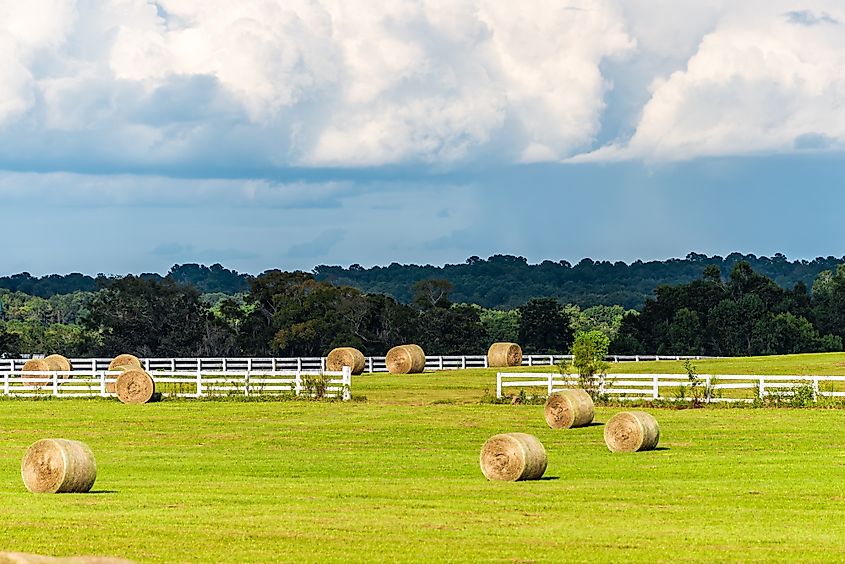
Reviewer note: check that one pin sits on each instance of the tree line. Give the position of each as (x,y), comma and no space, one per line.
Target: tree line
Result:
(299,314)
(498,282)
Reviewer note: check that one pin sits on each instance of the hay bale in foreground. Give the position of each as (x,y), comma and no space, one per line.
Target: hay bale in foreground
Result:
(135,386)
(58,466)
(631,431)
(111,387)
(59,363)
(125,360)
(569,409)
(504,354)
(405,359)
(511,457)
(22,558)
(38,365)
(346,356)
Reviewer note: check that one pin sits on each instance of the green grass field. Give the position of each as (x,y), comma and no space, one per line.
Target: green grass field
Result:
(396,478)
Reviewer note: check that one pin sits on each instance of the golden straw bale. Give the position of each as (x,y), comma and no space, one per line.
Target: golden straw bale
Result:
(405,359)
(504,354)
(134,386)
(58,466)
(346,356)
(38,365)
(569,408)
(511,457)
(631,431)
(59,363)
(123,360)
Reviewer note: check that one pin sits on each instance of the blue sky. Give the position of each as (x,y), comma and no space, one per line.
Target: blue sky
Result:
(136,135)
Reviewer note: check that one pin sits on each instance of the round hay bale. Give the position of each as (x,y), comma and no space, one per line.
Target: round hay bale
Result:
(38,365)
(111,387)
(59,363)
(631,431)
(510,457)
(346,356)
(504,354)
(124,360)
(58,466)
(135,386)
(405,359)
(568,409)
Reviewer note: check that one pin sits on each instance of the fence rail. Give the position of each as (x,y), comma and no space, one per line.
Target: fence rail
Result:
(712,387)
(195,384)
(274,364)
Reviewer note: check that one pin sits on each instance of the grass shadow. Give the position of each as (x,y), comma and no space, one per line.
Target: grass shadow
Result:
(548,478)
(102,492)
(661,448)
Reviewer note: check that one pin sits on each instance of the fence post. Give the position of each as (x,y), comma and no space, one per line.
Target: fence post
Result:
(440,362)
(761,392)
(601,384)
(347,383)
(225,364)
(463,362)
(297,383)
(6,382)
(370,364)
(550,382)
(273,364)
(199,383)
(708,392)
(498,385)
(485,361)
(530,360)
(637,358)
(103,377)
(298,365)
(815,390)
(55,383)
(246,383)
(323,363)
(655,387)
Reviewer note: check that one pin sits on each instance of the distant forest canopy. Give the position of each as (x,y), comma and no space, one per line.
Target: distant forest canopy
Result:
(506,282)
(208,280)
(294,314)
(500,282)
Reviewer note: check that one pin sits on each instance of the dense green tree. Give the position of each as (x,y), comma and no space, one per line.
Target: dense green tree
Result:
(432,293)
(748,314)
(500,326)
(9,342)
(451,331)
(684,333)
(147,318)
(544,327)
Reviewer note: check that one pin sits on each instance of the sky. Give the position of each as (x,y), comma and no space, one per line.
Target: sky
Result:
(135,135)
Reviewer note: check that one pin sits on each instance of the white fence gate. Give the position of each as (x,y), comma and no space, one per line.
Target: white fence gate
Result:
(195,384)
(735,387)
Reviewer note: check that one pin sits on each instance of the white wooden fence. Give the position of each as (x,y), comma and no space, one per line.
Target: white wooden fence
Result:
(195,384)
(713,388)
(373,363)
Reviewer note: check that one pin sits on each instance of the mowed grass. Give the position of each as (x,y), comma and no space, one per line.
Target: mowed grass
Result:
(397,479)
(468,386)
